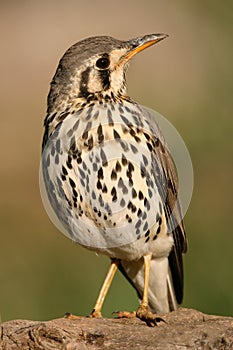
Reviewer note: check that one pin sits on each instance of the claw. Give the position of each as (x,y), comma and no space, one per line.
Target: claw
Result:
(147,316)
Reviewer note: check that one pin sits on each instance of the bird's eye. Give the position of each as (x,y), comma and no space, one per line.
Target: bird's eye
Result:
(103,63)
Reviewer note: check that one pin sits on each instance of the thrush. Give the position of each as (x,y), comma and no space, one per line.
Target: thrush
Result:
(109,179)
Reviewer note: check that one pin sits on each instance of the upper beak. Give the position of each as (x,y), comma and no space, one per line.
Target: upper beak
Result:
(138,44)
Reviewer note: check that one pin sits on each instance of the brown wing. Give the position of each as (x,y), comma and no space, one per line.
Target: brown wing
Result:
(168,187)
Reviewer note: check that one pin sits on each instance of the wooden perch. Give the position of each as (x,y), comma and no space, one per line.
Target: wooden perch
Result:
(184,329)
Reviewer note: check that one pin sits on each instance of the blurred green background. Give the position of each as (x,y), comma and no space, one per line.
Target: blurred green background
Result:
(187,78)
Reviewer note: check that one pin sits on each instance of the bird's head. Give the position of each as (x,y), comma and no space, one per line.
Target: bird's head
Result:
(95,67)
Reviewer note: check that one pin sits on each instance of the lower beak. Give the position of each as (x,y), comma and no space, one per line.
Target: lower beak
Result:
(139,44)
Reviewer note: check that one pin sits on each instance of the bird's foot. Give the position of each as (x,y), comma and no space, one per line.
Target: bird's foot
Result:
(125,314)
(71,316)
(144,314)
(96,314)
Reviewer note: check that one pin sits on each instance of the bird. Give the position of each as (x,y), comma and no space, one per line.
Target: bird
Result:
(109,181)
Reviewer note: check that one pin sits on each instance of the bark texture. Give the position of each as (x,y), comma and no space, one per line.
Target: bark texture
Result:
(184,329)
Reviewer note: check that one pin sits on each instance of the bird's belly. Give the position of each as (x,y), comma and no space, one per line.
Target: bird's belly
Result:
(101,189)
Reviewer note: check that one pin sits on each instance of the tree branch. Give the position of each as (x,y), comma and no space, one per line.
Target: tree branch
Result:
(184,329)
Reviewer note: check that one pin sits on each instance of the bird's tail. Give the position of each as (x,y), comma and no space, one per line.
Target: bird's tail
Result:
(161,294)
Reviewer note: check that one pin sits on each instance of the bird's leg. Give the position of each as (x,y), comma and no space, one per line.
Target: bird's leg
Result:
(105,287)
(143,311)
(144,302)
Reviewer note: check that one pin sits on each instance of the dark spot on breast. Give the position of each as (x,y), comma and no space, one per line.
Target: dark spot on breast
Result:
(58,145)
(81,172)
(100,133)
(113,175)
(137,139)
(90,143)
(85,135)
(103,157)
(124,145)
(72,145)
(124,189)
(72,183)
(147,205)
(144,216)
(116,135)
(121,110)
(125,120)
(118,166)
(124,160)
(109,116)
(65,172)
(133,148)
(143,171)
(75,194)
(84,166)
(101,201)
(145,160)
(128,174)
(129,206)
(99,185)
(130,167)
(113,191)
(150,147)
(140,195)
(132,132)
(52,151)
(68,162)
(79,160)
(128,218)
(147,136)
(122,202)
(100,174)
(134,193)
(120,183)
(76,125)
(95,115)
(104,189)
